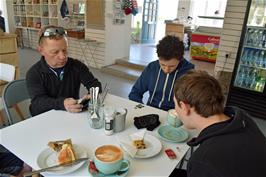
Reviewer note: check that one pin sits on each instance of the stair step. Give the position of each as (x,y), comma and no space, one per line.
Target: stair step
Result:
(122,71)
(131,64)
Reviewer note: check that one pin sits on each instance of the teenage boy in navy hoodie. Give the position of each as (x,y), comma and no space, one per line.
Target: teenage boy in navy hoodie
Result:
(159,76)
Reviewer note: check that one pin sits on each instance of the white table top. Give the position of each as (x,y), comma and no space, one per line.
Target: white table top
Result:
(28,138)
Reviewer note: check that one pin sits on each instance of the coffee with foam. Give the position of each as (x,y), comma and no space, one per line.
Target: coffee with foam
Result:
(108,153)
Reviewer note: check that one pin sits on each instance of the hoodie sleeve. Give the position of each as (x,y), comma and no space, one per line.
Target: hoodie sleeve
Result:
(140,87)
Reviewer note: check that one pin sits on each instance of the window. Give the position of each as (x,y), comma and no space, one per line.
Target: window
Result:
(4,13)
(208,12)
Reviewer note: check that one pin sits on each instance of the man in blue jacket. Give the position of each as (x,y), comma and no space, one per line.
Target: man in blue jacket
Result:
(159,76)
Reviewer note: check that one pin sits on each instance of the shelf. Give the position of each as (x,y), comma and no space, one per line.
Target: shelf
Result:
(211,17)
(251,66)
(33,14)
(256,27)
(252,47)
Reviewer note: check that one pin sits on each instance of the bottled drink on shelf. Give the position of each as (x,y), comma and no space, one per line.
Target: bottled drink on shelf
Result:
(260,84)
(250,57)
(264,61)
(264,39)
(244,58)
(261,59)
(255,38)
(255,58)
(261,38)
(253,78)
(249,37)
(240,77)
(259,42)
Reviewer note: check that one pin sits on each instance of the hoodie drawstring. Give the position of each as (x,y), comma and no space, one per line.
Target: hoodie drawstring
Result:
(158,76)
(173,82)
(164,88)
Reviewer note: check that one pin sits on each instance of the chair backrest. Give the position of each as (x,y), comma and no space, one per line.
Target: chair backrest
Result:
(7,72)
(14,92)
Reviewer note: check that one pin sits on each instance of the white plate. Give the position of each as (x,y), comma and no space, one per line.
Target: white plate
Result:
(153,147)
(48,158)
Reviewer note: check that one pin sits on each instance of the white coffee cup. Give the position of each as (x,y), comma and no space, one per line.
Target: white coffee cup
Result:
(173,119)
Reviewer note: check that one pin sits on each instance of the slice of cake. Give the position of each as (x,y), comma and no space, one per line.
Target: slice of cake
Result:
(66,154)
(64,149)
(57,145)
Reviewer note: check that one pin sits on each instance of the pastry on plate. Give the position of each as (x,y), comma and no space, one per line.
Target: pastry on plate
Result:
(139,144)
(64,149)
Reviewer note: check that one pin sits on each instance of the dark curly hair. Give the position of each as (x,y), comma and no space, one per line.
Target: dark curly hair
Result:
(170,47)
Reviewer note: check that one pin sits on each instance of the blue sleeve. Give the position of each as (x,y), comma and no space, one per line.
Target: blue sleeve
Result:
(140,87)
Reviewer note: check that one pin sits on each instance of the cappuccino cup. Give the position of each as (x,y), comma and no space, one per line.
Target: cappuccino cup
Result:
(108,159)
(172,118)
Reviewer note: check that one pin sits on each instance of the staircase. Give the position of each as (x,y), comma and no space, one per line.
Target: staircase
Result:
(124,68)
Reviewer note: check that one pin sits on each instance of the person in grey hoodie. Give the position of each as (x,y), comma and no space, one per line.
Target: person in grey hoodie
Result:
(230,143)
(159,76)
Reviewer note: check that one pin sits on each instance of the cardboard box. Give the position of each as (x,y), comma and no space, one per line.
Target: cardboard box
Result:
(76,34)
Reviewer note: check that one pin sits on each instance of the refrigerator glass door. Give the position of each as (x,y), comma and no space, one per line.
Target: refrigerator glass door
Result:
(251,71)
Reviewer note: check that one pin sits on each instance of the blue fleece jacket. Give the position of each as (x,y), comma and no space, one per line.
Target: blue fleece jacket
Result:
(159,84)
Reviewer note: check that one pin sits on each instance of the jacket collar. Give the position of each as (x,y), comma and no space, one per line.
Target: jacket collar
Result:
(45,68)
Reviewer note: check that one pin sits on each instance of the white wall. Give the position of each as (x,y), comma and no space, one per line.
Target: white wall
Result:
(166,11)
(184,9)
(118,37)
(230,37)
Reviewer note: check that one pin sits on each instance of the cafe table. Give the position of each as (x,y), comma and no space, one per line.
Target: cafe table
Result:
(27,139)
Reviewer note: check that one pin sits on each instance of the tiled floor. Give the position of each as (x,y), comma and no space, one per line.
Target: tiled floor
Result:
(118,86)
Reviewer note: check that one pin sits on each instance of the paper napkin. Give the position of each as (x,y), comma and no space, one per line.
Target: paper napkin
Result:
(139,135)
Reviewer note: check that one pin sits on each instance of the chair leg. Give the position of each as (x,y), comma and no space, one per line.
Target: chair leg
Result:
(19,112)
(2,121)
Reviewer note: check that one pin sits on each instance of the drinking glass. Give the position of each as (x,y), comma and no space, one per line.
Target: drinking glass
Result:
(96,123)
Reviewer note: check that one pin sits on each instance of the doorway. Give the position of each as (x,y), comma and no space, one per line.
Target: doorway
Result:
(149,21)
(153,30)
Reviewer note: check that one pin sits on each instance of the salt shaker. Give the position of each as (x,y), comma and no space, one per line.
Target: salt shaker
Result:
(109,120)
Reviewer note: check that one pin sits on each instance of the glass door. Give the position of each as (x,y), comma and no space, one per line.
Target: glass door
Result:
(251,72)
(149,21)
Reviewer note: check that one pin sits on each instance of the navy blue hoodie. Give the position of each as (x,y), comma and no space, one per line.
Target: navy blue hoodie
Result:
(159,84)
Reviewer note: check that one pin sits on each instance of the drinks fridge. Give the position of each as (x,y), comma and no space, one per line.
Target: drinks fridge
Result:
(247,89)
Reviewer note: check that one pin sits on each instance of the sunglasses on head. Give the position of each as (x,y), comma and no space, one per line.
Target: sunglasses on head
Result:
(53,31)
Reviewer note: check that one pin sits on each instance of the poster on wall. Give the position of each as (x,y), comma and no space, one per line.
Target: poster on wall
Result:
(204,47)
(118,14)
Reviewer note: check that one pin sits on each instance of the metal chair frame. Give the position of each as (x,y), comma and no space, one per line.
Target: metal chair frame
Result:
(14,92)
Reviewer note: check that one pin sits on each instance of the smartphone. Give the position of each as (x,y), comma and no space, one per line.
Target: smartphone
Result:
(84,102)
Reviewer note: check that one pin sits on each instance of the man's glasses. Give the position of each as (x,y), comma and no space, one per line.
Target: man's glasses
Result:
(53,31)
